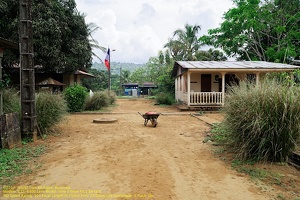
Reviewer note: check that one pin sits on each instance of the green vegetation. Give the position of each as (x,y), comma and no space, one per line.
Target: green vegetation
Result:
(262,123)
(50,109)
(248,168)
(112,98)
(15,162)
(61,36)
(164,98)
(219,134)
(185,45)
(75,97)
(11,101)
(96,84)
(251,31)
(99,100)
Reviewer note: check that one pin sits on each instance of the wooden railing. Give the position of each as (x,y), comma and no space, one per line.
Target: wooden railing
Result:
(206,98)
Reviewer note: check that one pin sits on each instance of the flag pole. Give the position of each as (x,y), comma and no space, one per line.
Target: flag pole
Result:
(109,87)
(107,64)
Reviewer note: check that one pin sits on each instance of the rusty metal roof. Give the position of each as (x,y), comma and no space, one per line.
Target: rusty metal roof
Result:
(49,81)
(83,73)
(232,65)
(5,43)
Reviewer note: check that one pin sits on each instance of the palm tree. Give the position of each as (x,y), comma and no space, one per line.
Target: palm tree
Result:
(125,76)
(184,43)
(92,27)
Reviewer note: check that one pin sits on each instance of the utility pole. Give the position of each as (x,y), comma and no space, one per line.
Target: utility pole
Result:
(1,90)
(27,74)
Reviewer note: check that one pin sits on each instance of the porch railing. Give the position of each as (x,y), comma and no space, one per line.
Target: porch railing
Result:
(206,98)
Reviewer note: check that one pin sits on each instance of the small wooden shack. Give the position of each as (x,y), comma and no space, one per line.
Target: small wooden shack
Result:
(50,85)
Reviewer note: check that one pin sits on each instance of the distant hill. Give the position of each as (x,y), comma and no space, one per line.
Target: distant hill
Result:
(115,67)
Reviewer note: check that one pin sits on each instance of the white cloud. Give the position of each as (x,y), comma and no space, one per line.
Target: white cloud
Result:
(138,29)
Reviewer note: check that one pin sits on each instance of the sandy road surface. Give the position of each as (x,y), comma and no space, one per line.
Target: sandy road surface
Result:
(126,160)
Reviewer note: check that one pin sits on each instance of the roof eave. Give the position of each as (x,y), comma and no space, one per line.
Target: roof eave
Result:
(245,70)
(4,43)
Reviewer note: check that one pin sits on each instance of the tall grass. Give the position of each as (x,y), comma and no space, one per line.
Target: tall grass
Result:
(263,122)
(97,101)
(50,109)
(11,101)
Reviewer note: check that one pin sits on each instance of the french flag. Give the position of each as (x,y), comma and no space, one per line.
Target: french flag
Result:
(107,59)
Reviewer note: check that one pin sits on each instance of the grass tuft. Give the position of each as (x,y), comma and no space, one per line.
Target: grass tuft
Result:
(15,162)
(50,110)
(11,101)
(99,100)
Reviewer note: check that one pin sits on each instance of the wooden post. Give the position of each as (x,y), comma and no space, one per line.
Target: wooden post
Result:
(257,78)
(189,87)
(223,87)
(1,91)
(27,82)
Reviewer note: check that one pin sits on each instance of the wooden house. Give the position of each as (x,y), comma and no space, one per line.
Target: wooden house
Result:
(204,83)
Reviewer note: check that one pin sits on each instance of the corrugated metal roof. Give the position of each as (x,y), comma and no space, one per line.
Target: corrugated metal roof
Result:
(234,65)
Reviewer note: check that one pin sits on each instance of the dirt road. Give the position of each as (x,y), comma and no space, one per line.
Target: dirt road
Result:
(126,160)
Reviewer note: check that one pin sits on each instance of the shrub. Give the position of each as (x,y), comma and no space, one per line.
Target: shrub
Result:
(263,122)
(97,101)
(11,101)
(50,109)
(75,97)
(112,98)
(165,98)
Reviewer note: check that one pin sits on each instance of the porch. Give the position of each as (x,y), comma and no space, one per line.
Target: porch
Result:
(199,90)
(201,99)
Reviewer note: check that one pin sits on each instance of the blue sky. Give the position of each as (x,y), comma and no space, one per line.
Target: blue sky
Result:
(138,29)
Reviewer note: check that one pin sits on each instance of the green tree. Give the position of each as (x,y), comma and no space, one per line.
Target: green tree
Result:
(216,55)
(139,75)
(3,6)
(125,76)
(96,84)
(259,30)
(60,34)
(184,43)
(92,27)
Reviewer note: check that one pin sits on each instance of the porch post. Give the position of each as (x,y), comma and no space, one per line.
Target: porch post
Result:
(177,88)
(188,87)
(257,78)
(181,83)
(223,87)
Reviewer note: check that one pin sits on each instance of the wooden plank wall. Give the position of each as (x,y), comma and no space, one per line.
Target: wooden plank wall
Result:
(10,131)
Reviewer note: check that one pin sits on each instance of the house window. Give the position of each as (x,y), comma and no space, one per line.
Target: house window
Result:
(251,78)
